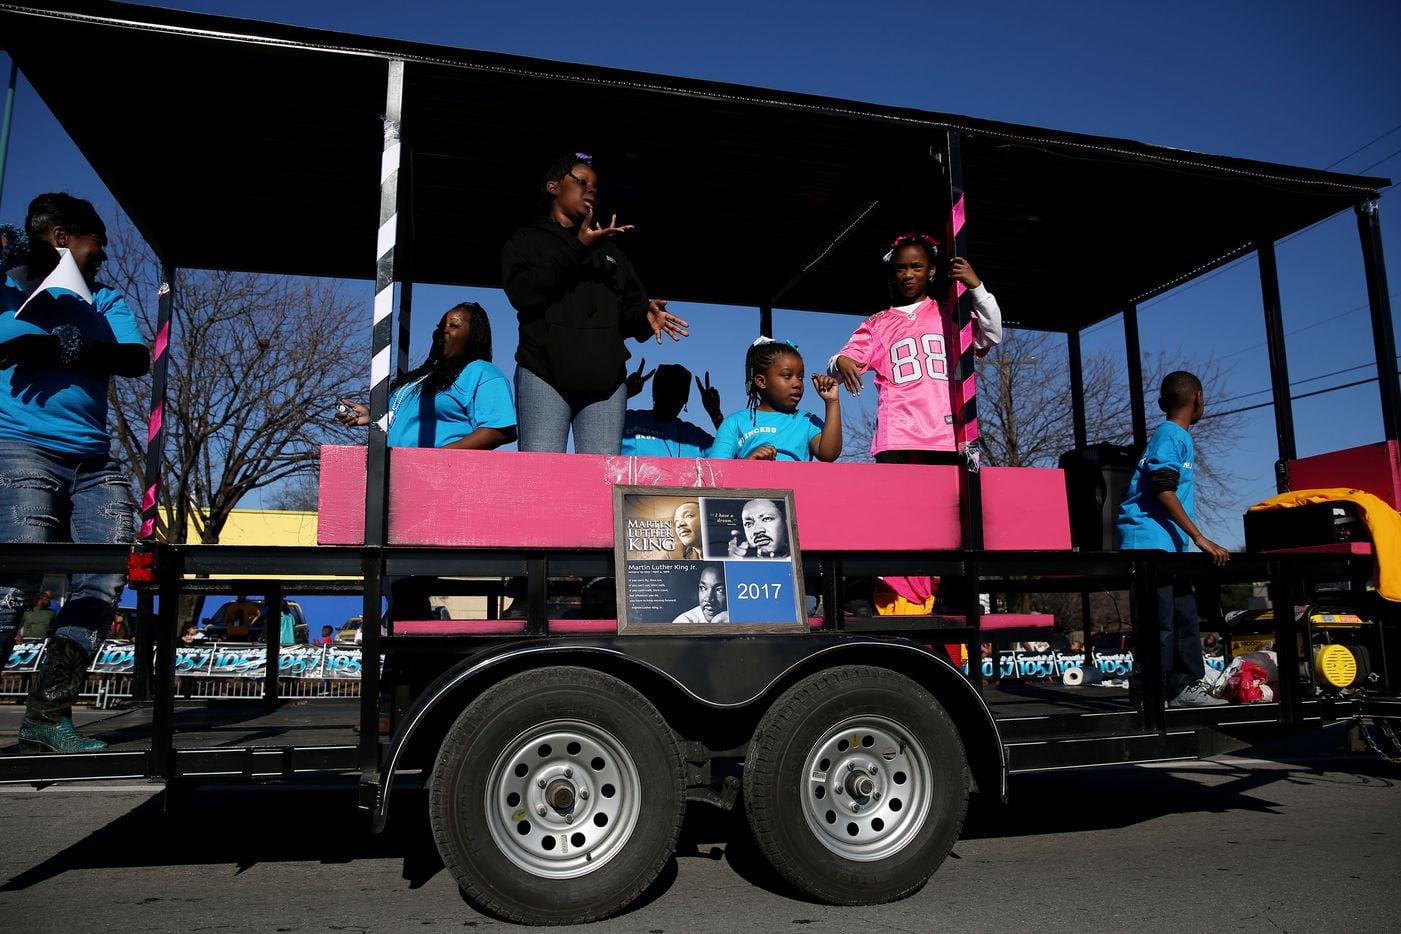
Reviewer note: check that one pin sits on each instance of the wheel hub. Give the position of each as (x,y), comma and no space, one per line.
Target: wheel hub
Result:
(563,798)
(867,788)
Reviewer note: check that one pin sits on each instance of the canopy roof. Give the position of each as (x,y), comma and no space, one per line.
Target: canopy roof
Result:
(237,144)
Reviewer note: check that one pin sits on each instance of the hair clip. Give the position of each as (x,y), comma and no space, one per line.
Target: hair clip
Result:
(761,339)
(584,158)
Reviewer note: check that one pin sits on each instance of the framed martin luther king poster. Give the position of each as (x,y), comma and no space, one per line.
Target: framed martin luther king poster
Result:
(707,562)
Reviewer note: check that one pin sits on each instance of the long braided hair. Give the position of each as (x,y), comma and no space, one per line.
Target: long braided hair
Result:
(760,356)
(441,372)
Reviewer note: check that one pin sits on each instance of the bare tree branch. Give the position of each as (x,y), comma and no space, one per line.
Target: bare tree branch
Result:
(255,360)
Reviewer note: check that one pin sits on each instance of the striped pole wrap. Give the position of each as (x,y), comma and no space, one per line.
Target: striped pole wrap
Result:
(965,383)
(384,265)
(155,427)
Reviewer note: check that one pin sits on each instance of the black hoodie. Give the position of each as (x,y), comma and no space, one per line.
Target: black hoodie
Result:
(575,305)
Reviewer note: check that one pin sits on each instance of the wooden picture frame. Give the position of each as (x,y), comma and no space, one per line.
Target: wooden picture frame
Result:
(707,561)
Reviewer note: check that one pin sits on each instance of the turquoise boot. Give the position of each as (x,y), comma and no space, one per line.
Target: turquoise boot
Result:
(55,737)
(48,723)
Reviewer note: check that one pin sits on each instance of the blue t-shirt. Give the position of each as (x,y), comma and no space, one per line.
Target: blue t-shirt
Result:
(51,406)
(480,397)
(791,433)
(644,436)
(1143,522)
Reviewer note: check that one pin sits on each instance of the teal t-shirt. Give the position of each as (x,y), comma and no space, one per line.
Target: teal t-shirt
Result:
(1142,521)
(644,436)
(791,433)
(480,397)
(50,406)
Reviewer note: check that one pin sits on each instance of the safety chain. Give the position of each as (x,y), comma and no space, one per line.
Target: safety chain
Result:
(1386,730)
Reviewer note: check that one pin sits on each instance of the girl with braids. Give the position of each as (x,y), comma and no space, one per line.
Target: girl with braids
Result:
(63,336)
(577,299)
(772,427)
(456,399)
(911,347)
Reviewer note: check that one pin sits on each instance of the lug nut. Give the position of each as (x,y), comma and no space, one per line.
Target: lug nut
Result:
(540,809)
(583,794)
(569,818)
(837,790)
(541,783)
(875,796)
(568,773)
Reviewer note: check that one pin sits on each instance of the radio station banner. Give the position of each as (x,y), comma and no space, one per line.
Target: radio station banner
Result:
(725,562)
(212,660)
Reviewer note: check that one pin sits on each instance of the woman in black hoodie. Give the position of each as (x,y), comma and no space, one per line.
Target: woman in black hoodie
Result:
(577,299)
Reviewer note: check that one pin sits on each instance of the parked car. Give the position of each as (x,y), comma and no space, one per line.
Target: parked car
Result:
(216,628)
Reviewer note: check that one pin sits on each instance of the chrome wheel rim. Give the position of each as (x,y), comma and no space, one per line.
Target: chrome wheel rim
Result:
(563,798)
(866,790)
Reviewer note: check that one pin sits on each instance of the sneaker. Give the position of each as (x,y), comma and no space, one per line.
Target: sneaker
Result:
(1195,695)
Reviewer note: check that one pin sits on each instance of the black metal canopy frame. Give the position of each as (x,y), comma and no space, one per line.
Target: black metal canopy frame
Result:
(221,128)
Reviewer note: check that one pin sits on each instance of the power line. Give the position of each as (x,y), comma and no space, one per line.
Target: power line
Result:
(1362,147)
(1298,382)
(1393,155)
(1302,395)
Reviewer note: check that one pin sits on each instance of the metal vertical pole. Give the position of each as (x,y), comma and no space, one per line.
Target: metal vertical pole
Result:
(1369,230)
(964,385)
(1077,388)
(1279,363)
(766,320)
(377,453)
(146,621)
(401,357)
(272,638)
(5,125)
(1135,372)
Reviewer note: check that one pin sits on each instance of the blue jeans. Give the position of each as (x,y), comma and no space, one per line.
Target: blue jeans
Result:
(1179,640)
(545,416)
(48,496)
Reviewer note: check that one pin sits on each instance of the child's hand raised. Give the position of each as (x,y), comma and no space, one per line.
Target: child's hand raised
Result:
(765,452)
(710,400)
(591,233)
(850,372)
(960,271)
(826,387)
(636,381)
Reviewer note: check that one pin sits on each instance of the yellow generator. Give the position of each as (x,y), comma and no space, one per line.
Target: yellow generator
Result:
(1340,649)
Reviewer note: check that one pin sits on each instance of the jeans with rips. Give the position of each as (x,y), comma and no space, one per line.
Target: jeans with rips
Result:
(50,496)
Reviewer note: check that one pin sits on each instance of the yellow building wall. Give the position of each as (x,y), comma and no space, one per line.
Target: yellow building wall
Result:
(266,527)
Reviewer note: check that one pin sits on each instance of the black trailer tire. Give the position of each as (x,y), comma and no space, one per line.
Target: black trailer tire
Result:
(856,786)
(557,796)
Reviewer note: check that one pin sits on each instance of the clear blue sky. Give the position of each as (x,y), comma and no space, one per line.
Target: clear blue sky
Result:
(1304,84)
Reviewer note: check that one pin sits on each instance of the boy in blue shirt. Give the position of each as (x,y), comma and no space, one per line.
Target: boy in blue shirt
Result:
(660,431)
(1157,513)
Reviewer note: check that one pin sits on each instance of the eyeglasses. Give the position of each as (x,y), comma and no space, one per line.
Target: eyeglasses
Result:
(580,182)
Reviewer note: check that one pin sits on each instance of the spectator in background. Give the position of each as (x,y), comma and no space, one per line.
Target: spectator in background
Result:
(288,624)
(121,629)
(34,624)
(328,636)
(191,634)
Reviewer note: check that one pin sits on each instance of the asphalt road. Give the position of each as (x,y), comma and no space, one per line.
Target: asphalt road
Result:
(1303,839)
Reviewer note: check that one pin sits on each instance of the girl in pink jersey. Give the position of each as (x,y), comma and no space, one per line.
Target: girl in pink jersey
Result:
(772,427)
(912,348)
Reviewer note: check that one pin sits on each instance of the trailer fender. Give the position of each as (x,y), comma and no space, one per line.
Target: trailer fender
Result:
(787,661)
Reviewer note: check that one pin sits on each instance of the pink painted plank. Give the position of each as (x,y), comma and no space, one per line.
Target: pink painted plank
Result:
(991,621)
(1336,548)
(1372,468)
(515,500)
(1024,508)
(497,627)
